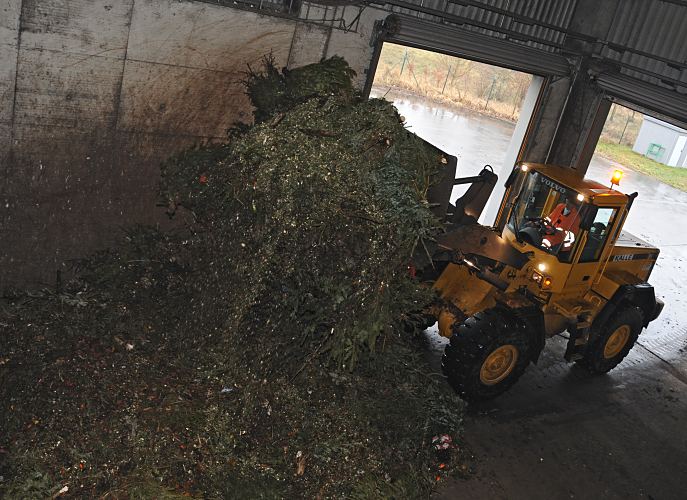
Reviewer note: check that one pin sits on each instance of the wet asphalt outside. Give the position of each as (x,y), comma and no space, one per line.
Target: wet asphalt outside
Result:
(560,432)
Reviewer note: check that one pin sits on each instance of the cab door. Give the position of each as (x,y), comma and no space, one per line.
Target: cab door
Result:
(592,250)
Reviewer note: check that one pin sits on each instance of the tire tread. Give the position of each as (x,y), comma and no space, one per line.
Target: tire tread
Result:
(472,341)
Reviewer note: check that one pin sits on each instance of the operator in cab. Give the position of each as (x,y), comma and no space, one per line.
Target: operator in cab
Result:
(562,226)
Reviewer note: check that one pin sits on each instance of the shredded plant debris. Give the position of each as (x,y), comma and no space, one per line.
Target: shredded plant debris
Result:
(268,349)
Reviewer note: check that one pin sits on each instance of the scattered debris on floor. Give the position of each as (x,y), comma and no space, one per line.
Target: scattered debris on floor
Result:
(265,347)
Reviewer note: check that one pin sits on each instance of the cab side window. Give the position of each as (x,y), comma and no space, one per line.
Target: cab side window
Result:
(598,234)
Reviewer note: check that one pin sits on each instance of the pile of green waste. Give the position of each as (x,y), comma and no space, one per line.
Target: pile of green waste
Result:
(266,349)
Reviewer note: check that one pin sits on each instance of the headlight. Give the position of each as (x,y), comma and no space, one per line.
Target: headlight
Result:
(544,282)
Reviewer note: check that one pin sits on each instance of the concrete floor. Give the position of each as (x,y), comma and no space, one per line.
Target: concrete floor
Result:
(560,432)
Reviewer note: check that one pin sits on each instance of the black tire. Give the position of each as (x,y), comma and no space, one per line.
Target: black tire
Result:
(473,342)
(595,358)
(418,322)
(428,320)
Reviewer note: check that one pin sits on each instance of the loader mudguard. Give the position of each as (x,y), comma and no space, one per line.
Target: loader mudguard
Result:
(641,295)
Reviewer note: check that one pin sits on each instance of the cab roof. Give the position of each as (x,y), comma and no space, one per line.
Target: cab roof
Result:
(593,191)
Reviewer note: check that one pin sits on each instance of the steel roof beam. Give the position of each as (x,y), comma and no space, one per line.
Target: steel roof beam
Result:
(460,20)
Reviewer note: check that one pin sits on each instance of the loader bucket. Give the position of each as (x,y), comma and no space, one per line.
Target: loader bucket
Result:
(439,193)
(468,208)
(458,218)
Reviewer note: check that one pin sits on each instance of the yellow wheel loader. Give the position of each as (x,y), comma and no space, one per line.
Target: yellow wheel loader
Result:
(556,260)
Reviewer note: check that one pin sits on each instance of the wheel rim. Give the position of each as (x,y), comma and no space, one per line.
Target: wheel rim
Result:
(616,341)
(498,365)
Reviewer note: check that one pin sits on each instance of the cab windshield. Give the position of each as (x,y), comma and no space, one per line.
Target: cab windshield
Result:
(547,215)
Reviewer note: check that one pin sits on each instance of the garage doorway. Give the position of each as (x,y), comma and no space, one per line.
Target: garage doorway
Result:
(645,144)
(644,147)
(475,111)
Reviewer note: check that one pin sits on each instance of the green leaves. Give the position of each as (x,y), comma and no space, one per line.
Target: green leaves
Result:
(272,92)
(327,202)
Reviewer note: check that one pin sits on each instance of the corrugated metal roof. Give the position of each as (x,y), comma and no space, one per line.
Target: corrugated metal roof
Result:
(647,38)
(653,34)
(537,19)
(539,24)
(428,35)
(651,97)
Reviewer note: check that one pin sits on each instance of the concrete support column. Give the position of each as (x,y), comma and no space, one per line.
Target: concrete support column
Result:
(572,110)
(580,125)
(546,119)
(568,123)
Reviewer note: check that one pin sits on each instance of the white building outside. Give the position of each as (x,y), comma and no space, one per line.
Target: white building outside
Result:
(662,142)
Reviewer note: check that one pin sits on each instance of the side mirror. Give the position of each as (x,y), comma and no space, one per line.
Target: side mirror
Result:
(512,176)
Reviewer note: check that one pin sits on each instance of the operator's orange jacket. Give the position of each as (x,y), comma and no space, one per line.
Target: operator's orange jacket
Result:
(563,223)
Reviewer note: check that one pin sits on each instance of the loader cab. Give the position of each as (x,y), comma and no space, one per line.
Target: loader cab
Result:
(567,224)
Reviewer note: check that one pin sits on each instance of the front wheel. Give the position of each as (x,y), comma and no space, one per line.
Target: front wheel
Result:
(487,354)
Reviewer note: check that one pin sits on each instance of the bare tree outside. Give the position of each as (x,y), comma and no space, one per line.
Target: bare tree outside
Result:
(622,126)
(459,82)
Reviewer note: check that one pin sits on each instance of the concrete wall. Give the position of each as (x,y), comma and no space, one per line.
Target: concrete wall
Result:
(95,93)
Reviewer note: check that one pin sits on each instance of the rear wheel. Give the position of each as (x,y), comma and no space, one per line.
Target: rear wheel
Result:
(487,354)
(614,340)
